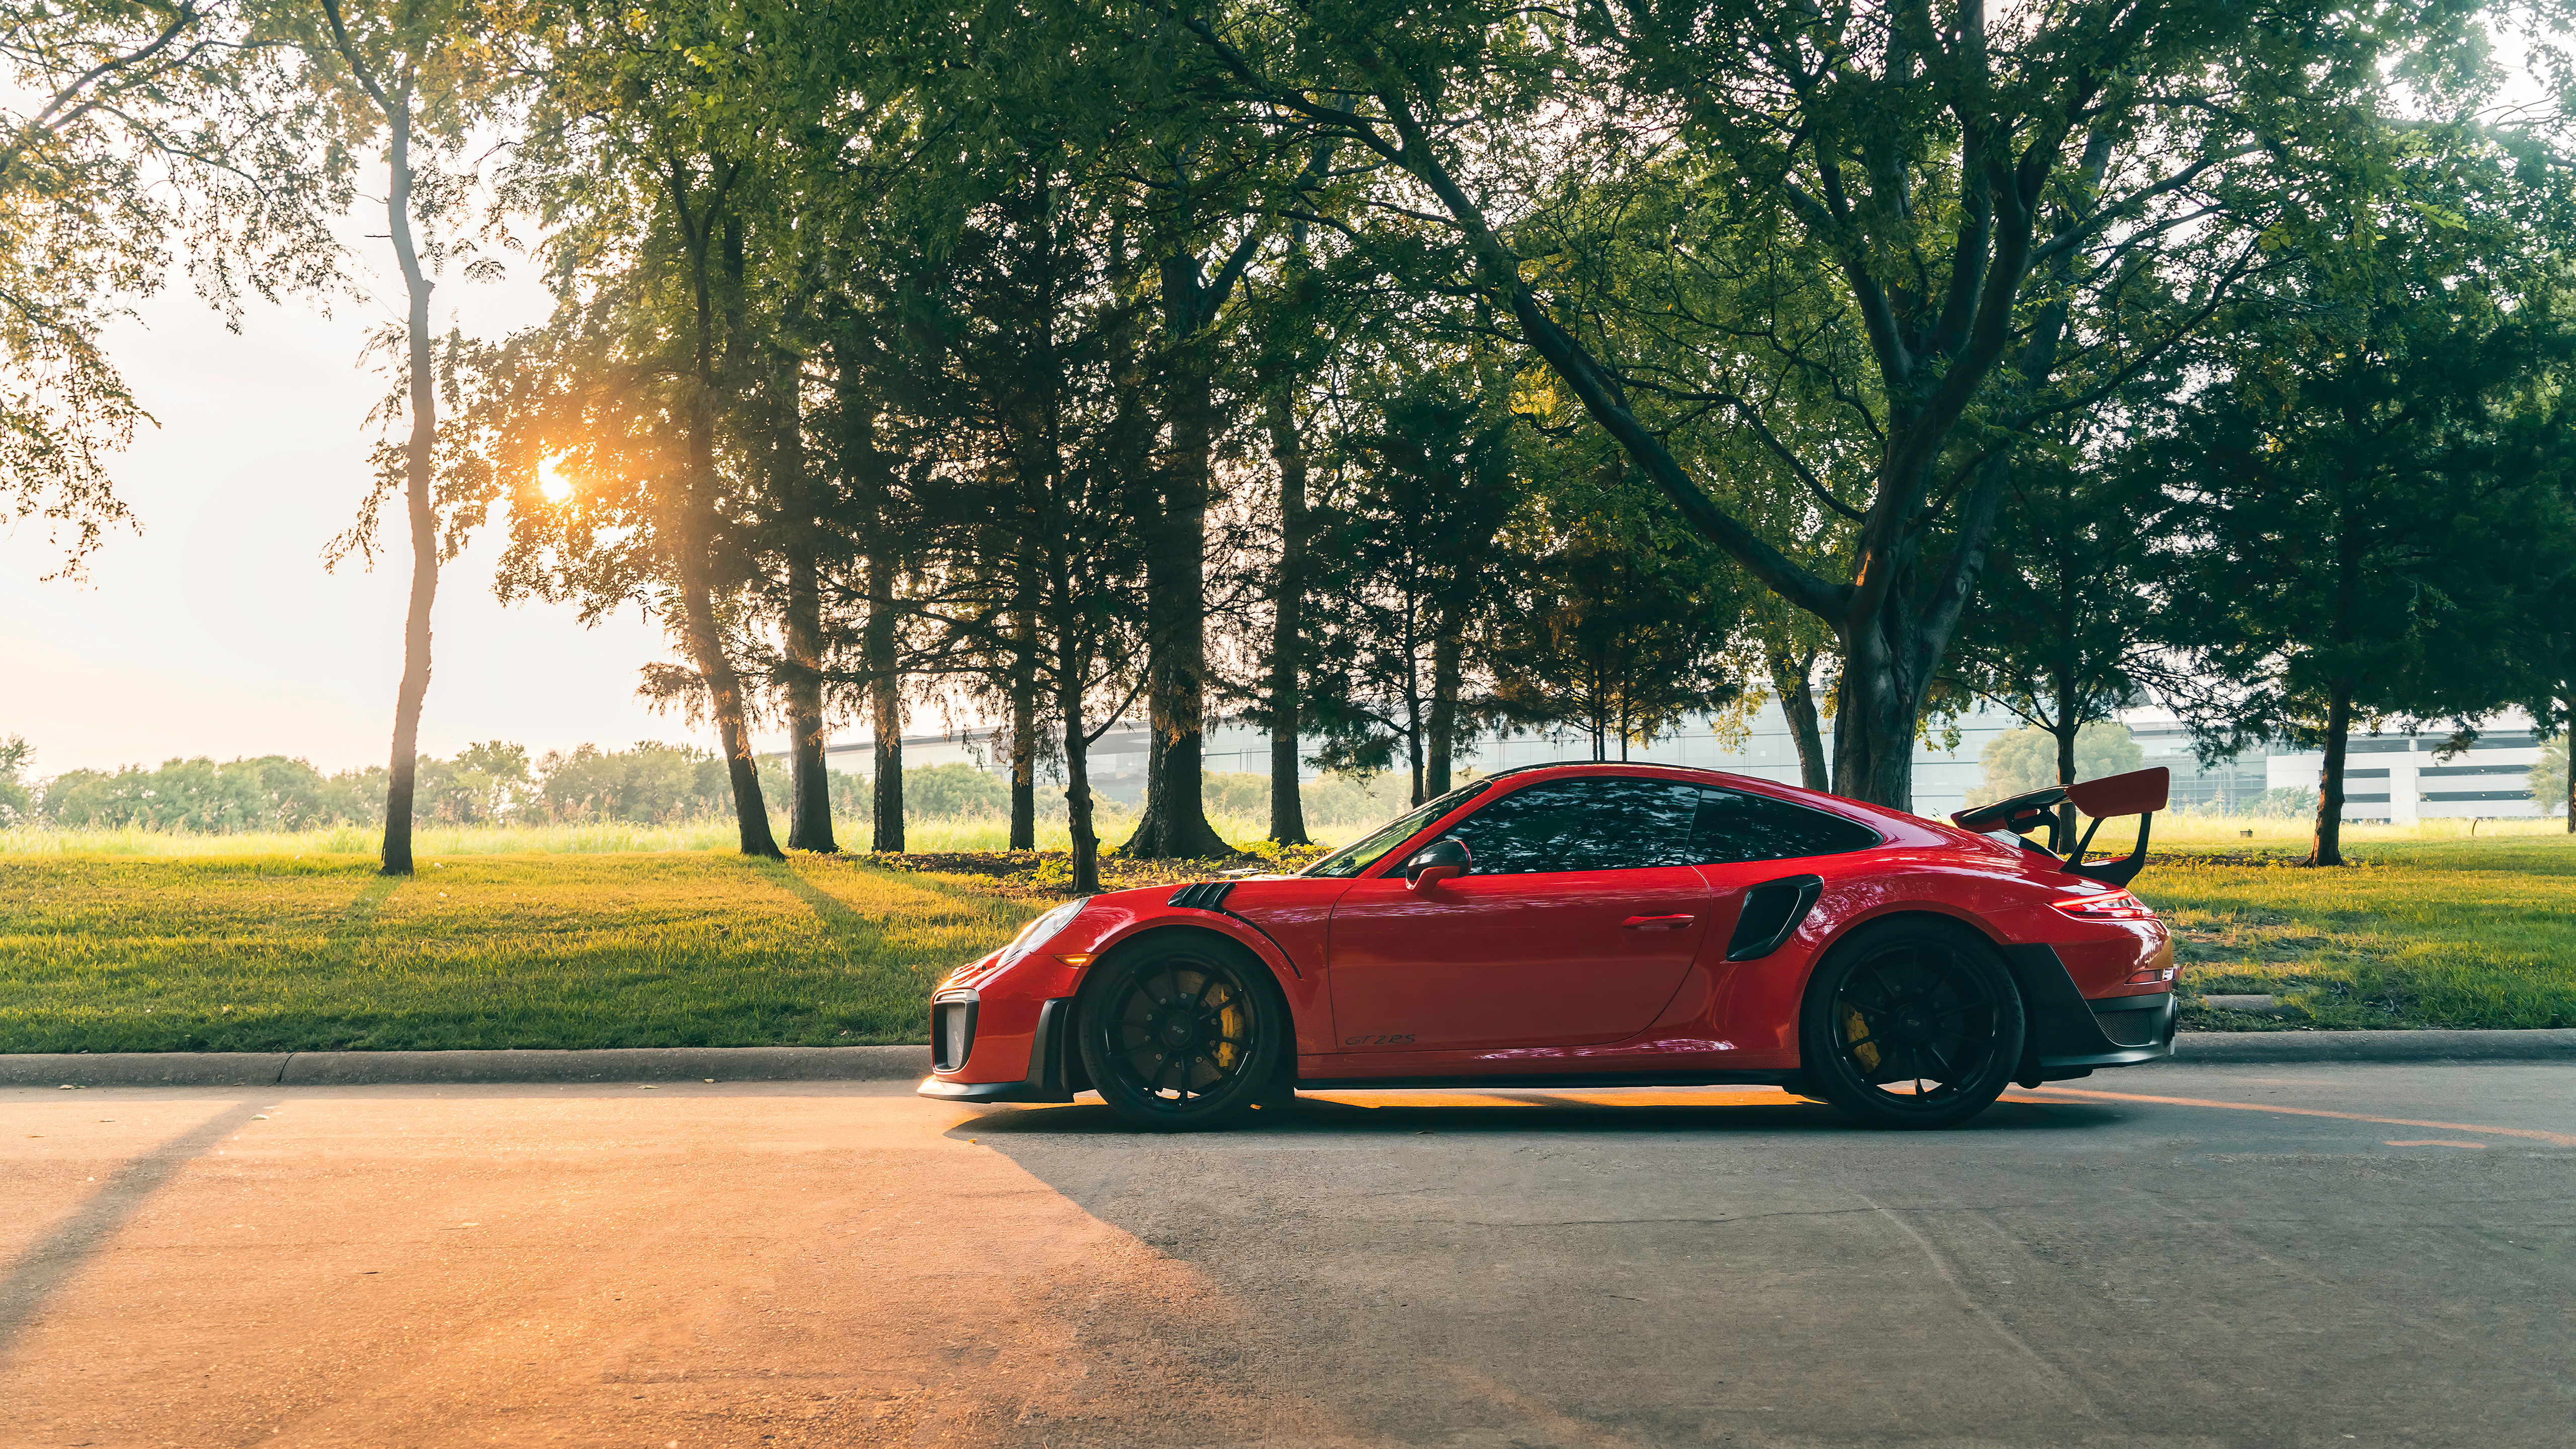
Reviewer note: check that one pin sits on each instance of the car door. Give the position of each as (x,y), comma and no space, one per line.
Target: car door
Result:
(1575,925)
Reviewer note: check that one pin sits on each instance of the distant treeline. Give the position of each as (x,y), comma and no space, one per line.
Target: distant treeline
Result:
(498,784)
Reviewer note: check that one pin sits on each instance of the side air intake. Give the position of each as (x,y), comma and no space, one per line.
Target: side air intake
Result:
(1772,911)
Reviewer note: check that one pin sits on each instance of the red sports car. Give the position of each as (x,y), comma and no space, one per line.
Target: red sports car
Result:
(1594,925)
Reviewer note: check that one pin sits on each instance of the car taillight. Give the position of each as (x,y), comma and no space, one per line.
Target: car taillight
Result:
(2106,906)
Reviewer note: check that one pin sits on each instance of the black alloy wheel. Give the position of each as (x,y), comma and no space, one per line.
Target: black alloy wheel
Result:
(1912,1023)
(1184,1032)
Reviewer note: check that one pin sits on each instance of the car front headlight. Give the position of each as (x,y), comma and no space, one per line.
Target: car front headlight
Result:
(1040,931)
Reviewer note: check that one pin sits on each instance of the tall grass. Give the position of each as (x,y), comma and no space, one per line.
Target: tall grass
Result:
(607,838)
(2174,829)
(2192,827)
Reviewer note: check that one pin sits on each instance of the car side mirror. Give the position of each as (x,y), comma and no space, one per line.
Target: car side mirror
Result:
(1443,859)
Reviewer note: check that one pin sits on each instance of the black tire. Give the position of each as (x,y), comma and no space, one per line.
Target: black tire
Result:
(1184,1032)
(1911,1023)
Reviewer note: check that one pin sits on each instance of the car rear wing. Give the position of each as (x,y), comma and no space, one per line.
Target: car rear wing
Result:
(2140,792)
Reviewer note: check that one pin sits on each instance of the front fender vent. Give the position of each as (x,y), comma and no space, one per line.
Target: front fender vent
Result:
(1207,895)
(1772,911)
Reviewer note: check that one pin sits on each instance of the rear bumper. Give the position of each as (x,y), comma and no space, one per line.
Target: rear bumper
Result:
(2071,1036)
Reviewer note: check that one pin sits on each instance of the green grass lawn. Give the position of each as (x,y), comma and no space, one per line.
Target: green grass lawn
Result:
(667,947)
(2426,932)
(280,953)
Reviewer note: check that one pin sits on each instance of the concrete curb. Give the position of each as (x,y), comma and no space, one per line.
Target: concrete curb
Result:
(902,1063)
(2221,1048)
(349,1069)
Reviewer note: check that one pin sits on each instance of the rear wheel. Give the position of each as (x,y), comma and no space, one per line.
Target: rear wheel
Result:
(1911,1023)
(1184,1032)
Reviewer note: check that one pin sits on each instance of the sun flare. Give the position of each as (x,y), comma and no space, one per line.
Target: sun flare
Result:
(552,482)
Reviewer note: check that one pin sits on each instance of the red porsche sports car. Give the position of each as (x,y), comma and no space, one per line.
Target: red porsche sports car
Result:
(1595,925)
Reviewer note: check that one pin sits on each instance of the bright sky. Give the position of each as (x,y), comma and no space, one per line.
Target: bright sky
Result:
(218,632)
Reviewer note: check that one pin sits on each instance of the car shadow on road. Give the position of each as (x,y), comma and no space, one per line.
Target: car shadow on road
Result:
(1524,1112)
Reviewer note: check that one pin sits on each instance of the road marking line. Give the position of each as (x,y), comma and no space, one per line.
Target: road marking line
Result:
(2438,1142)
(2561,1139)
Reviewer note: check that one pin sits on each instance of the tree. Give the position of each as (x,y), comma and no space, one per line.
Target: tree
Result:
(2373,442)
(1047,385)
(2032,758)
(2549,784)
(2065,630)
(1412,546)
(1903,215)
(1619,634)
(417,72)
(17,802)
(1792,645)
(1290,336)
(128,131)
(673,152)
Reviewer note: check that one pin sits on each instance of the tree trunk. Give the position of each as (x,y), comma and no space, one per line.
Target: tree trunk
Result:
(1794,681)
(724,691)
(691,534)
(1446,647)
(1024,733)
(809,825)
(2328,848)
(418,459)
(1174,825)
(1413,748)
(1288,620)
(690,525)
(880,665)
(885,700)
(1874,715)
(2064,730)
(1071,669)
(1891,643)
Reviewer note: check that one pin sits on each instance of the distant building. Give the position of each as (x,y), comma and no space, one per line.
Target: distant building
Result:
(2401,780)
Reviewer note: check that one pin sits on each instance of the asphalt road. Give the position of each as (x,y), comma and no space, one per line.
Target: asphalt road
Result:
(2258,1256)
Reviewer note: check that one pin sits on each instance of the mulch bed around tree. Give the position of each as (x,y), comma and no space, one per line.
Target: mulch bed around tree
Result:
(1037,874)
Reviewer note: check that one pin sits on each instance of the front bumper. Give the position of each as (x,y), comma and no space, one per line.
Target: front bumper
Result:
(1055,1070)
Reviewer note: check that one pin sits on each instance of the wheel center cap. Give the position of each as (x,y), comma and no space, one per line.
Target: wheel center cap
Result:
(1178,1030)
(1912,1021)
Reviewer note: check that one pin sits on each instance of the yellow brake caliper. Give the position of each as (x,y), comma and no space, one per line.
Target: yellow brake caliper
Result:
(1233,1022)
(1857,1030)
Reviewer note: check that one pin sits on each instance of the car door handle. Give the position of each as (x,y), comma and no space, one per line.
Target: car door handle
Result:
(1657,923)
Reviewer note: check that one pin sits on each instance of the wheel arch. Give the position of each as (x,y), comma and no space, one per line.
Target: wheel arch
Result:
(1148,935)
(1224,928)
(1930,913)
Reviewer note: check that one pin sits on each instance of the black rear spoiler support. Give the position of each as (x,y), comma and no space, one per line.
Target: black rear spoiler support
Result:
(2140,792)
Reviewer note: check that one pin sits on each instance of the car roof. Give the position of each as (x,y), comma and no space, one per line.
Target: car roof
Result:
(1630,767)
(1875,815)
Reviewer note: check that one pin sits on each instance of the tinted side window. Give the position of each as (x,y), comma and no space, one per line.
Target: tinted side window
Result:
(1588,824)
(1736,827)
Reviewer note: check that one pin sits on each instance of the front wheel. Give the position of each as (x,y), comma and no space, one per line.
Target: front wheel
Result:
(1911,1023)
(1184,1033)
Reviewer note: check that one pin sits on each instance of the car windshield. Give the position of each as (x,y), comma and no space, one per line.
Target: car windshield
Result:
(1369,849)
